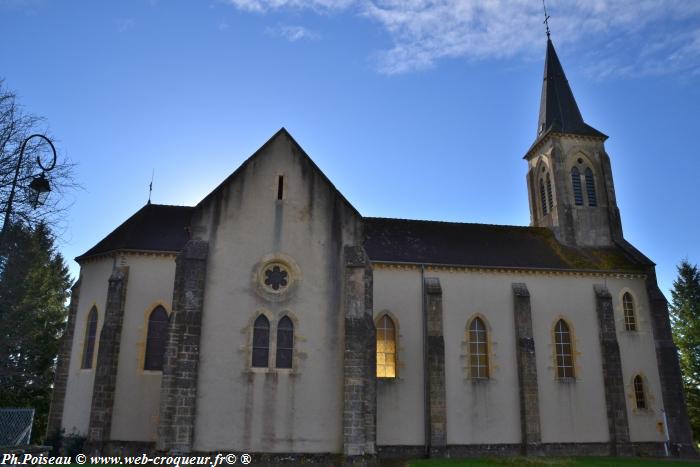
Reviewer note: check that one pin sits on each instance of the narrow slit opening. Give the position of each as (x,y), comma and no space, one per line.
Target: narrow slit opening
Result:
(280,187)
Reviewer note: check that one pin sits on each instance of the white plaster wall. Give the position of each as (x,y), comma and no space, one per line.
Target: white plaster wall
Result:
(479,412)
(638,357)
(93,292)
(569,411)
(137,392)
(400,401)
(239,408)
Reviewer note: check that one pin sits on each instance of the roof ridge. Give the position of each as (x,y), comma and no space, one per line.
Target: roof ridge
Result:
(452,222)
(169,205)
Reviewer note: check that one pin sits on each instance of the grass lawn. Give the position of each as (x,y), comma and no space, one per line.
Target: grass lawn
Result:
(551,462)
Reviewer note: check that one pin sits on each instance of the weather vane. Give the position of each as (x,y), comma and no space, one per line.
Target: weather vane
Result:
(546,18)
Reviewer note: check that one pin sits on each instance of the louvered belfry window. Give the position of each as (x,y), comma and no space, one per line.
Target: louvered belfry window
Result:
(549,192)
(90,336)
(261,342)
(628,309)
(478,349)
(590,188)
(156,339)
(386,348)
(285,343)
(576,185)
(564,353)
(543,197)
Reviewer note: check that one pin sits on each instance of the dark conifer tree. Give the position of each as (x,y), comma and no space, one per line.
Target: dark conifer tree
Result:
(34,288)
(685,318)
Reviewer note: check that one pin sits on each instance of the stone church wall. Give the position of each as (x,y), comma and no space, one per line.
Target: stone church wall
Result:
(488,412)
(76,411)
(137,392)
(400,402)
(247,229)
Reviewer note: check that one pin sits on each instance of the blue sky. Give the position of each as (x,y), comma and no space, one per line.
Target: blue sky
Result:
(413,108)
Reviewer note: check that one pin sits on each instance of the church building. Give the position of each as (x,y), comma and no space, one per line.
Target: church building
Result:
(274,319)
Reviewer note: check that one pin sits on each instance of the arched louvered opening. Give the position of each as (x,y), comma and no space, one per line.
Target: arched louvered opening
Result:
(576,186)
(285,343)
(639,393)
(261,342)
(628,310)
(564,353)
(156,339)
(550,198)
(543,197)
(590,187)
(386,348)
(90,337)
(478,349)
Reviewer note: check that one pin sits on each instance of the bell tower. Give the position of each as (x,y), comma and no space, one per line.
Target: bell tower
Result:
(569,180)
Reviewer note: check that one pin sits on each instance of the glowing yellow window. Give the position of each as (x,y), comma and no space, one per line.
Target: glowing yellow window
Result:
(386,348)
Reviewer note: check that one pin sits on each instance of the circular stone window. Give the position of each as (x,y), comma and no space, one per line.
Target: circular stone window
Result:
(275,277)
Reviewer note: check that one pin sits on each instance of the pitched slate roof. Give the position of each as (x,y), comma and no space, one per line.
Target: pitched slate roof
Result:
(154,227)
(483,245)
(558,109)
(163,228)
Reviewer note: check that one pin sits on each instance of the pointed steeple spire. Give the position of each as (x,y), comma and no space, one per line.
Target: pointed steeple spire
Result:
(558,109)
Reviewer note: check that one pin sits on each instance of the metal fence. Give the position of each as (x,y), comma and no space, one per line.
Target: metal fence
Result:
(16,426)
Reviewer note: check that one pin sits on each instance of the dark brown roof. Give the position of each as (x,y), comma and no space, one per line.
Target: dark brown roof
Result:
(154,227)
(483,245)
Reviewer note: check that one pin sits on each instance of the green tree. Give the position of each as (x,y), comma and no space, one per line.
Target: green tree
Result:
(34,288)
(685,319)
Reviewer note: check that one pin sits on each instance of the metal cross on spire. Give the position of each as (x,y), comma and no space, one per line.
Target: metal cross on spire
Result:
(546,18)
(150,186)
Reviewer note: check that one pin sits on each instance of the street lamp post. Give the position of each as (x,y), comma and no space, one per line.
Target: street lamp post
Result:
(39,186)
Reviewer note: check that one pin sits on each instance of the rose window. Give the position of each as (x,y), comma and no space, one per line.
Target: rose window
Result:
(276,277)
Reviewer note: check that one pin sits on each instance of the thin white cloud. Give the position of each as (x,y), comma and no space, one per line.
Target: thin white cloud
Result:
(292,33)
(125,24)
(266,5)
(655,36)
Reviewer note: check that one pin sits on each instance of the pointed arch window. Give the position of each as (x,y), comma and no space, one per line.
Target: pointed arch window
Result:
(550,199)
(261,342)
(639,393)
(590,188)
(628,310)
(386,348)
(564,353)
(156,339)
(285,343)
(478,349)
(90,336)
(543,197)
(576,185)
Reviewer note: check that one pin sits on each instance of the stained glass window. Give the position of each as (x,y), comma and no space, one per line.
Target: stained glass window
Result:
(478,349)
(261,342)
(639,396)
(628,309)
(156,339)
(285,343)
(386,348)
(276,277)
(90,336)
(565,358)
